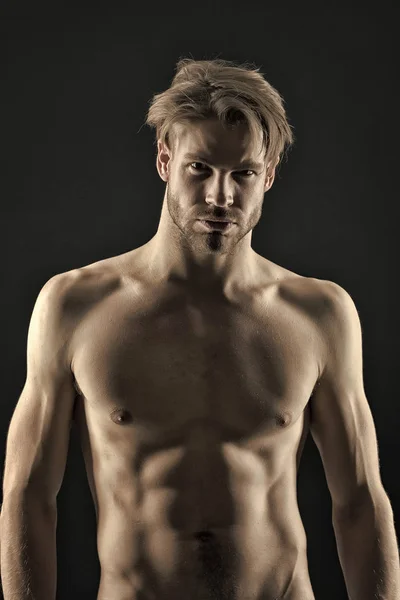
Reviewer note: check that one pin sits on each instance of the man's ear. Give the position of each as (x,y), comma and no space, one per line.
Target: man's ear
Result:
(163,158)
(270,175)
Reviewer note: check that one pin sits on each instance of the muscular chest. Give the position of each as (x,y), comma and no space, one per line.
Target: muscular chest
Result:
(247,368)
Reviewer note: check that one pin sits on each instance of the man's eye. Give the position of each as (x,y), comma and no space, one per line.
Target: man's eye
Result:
(195,163)
(244,173)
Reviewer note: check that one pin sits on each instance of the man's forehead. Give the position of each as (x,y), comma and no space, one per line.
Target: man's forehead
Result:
(211,134)
(212,145)
(206,157)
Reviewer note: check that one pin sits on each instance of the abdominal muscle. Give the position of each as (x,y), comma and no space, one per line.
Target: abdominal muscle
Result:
(165,544)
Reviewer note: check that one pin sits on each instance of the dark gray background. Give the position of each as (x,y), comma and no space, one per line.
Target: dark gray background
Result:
(79,184)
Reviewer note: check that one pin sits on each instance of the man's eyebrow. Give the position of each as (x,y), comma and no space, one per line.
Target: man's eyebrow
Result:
(247,164)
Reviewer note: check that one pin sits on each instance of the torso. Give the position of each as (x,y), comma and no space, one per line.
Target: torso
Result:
(192,414)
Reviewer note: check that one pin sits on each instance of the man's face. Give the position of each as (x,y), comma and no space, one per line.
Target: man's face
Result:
(214,173)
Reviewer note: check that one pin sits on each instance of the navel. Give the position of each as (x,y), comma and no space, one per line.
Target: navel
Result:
(204,536)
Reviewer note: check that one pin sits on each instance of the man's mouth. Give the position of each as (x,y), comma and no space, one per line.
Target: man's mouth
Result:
(218,225)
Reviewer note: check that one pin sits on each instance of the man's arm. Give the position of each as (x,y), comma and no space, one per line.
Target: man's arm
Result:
(342,427)
(36,453)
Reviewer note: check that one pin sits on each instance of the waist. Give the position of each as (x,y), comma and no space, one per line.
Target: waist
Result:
(239,562)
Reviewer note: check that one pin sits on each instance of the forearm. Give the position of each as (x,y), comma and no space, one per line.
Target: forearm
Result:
(28,548)
(368,552)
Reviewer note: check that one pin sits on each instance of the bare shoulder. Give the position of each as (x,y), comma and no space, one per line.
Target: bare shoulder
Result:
(320,294)
(330,307)
(326,298)
(336,313)
(325,305)
(85,285)
(323,300)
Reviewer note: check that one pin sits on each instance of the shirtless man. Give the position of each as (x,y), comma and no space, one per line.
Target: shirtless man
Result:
(194,369)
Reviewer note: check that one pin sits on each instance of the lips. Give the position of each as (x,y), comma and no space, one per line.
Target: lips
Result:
(219,225)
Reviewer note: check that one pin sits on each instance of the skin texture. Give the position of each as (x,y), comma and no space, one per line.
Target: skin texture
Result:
(194,369)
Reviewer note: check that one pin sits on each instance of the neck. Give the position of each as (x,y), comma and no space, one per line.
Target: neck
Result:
(173,256)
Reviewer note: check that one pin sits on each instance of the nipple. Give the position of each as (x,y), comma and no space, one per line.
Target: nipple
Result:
(283,419)
(120,416)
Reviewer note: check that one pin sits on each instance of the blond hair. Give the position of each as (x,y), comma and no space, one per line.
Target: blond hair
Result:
(204,89)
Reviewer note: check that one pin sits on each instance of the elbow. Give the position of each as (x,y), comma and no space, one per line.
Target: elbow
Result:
(360,505)
(27,496)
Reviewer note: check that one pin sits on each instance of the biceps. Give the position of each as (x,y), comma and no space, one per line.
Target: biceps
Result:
(343,429)
(38,439)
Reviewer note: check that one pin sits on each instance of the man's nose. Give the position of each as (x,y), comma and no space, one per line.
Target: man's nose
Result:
(220,192)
